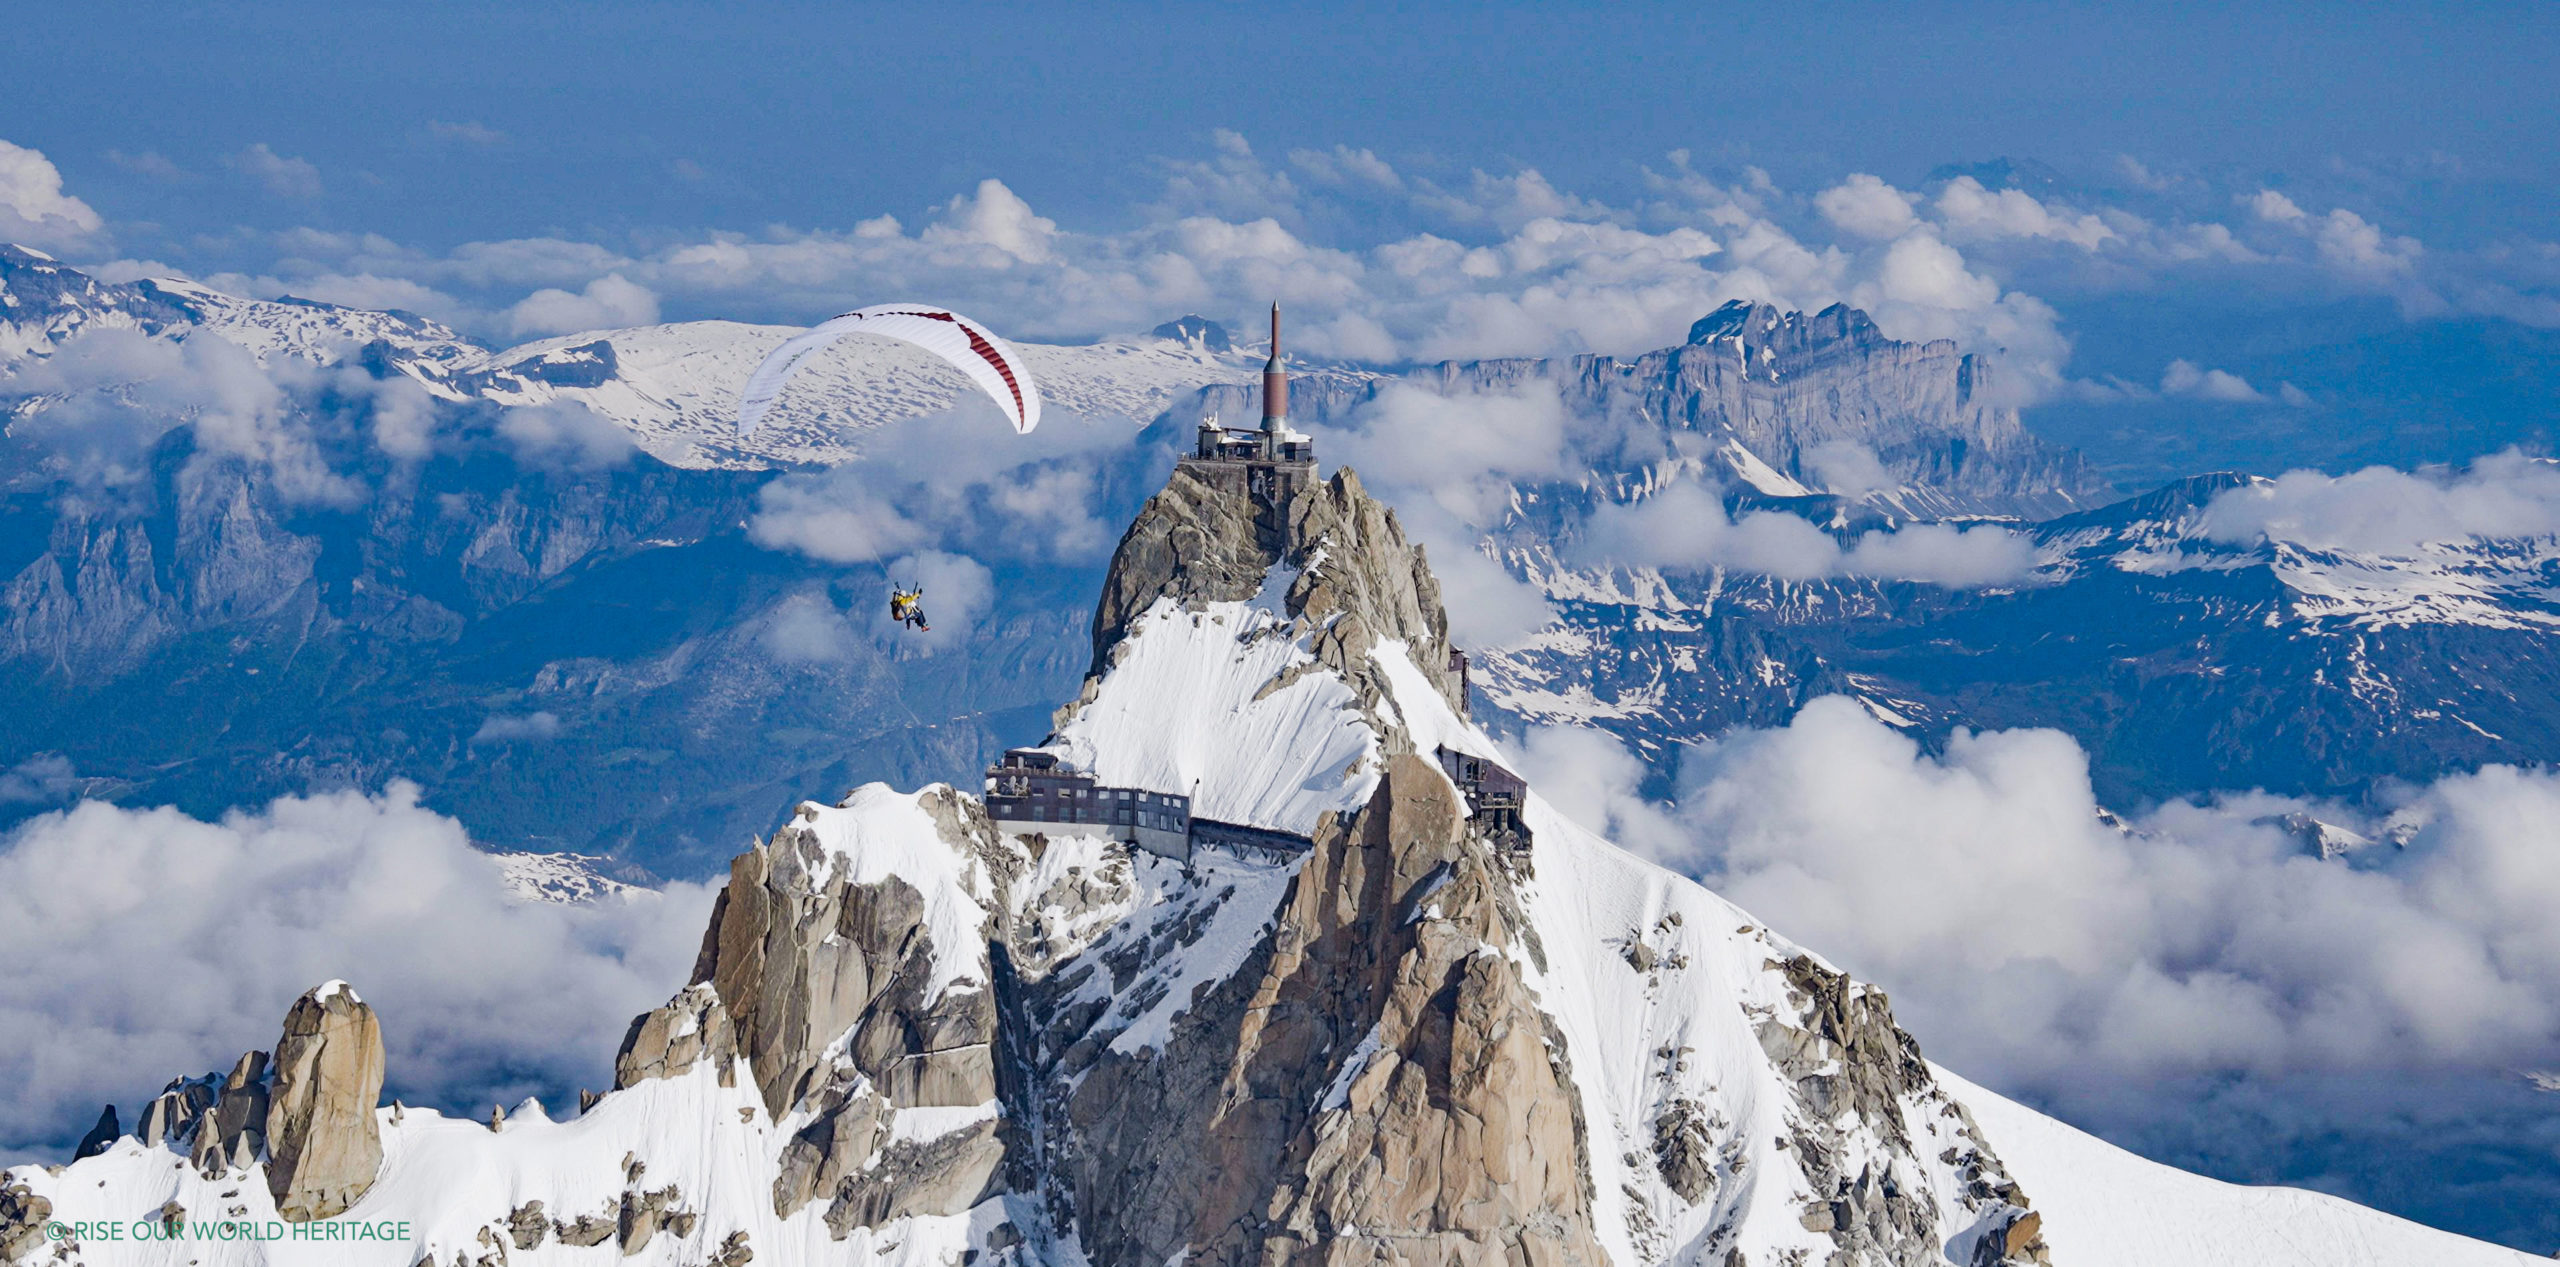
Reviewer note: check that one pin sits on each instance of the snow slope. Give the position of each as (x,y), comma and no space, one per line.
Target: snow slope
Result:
(2105,1206)
(1186,711)
(1668,1005)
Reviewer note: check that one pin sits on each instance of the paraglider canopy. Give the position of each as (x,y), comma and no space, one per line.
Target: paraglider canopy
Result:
(987,360)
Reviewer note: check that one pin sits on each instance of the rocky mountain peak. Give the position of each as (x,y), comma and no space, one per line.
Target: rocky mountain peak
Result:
(1192,330)
(1759,327)
(324,1144)
(1351,574)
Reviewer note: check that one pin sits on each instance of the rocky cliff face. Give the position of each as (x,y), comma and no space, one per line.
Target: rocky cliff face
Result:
(1756,396)
(323,1145)
(837,999)
(910,1039)
(286,646)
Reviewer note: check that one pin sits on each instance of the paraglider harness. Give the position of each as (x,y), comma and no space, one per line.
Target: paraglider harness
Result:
(907,608)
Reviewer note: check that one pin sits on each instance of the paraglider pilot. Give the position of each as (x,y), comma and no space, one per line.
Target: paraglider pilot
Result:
(907,608)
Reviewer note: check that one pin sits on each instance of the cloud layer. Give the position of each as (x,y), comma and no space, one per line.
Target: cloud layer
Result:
(2033,940)
(139,945)
(2380,510)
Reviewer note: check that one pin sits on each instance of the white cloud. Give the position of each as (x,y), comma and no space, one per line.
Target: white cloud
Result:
(2384,511)
(33,208)
(469,132)
(1447,463)
(995,216)
(2026,937)
(832,516)
(1973,213)
(2185,378)
(1343,165)
(43,779)
(1685,528)
(936,483)
(1867,207)
(120,389)
(154,944)
(510,728)
(1848,469)
(808,628)
(608,302)
(2273,207)
(151,163)
(283,176)
(2356,248)
(565,434)
(957,590)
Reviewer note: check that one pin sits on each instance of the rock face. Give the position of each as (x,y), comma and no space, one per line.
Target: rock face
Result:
(1195,543)
(23,1215)
(1371,1085)
(798,957)
(1785,387)
(100,1136)
(236,1131)
(324,1145)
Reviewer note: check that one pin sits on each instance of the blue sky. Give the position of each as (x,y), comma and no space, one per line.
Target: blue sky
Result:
(2295,235)
(571,118)
(2357,205)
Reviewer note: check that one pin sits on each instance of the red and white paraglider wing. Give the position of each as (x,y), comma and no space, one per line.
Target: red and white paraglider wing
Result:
(990,362)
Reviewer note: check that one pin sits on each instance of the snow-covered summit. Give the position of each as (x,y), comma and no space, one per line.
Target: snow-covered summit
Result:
(44,302)
(914,1039)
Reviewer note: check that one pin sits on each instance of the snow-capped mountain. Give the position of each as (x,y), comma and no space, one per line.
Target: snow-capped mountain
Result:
(2181,659)
(1430,1032)
(1770,403)
(675,387)
(2135,623)
(44,302)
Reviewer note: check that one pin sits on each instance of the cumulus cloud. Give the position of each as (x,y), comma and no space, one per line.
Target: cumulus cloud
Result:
(33,208)
(1849,469)
(943,491)
(997,217)
(1685,528)
(283,175)
(608,302)
(116,390)
(2027,936)
(565,434)
(43,779)
(1447,463)
(1970,211)
(2185,378)
(1376,265)
(1866,206)
(2380,510)
(808,628)
(154,944)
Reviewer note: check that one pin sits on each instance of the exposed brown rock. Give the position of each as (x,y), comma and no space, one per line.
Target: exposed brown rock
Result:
(23,1215)
(1193,542)
(1458,1138)
(796,957)
(237,1127)
(323,1143)
(527,1225)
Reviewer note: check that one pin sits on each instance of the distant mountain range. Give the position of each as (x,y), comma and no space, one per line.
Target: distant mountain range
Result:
(1437,1031)
(200,638)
